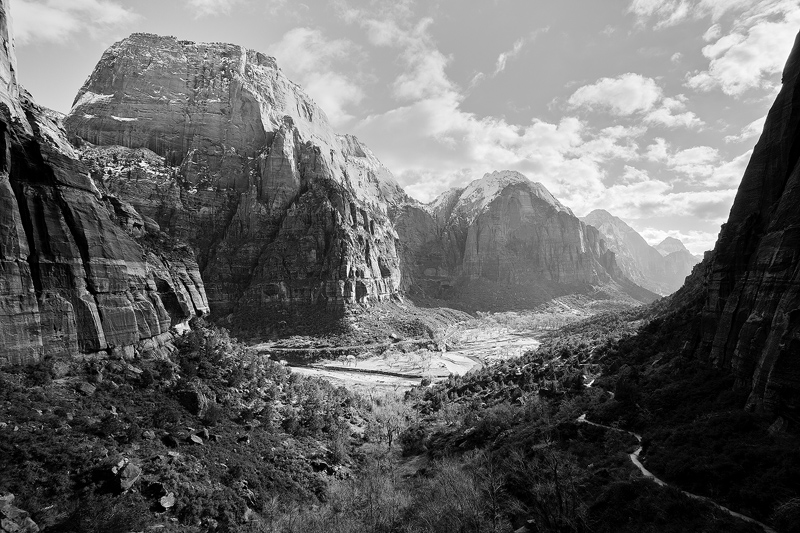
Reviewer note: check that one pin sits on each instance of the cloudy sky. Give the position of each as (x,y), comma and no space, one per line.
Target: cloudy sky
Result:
(646,108)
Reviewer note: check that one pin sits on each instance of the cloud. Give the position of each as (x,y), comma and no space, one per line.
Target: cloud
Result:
(624,95)
(630,94)
(204,8)
(753,129)
(729,174)
(672,114)
(311,59)
(664,13)
(519,44)
(59,20)
(752,53)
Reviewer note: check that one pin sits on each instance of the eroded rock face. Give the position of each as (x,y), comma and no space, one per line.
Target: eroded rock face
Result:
(506,231)
(661,269)
(213,144)
(750,283)
(71,278)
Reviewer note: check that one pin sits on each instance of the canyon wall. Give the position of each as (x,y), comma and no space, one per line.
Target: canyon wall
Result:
(219,148)
(73,278)
(748,288)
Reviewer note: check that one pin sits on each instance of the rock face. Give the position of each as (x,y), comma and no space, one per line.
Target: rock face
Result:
(509,232)
(216,146)
(72,279)
(661,269)
(750,297)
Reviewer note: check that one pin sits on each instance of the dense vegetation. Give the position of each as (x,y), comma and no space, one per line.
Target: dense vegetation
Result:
(241,444)
(228,434)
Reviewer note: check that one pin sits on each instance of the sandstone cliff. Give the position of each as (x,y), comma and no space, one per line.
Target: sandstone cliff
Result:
(241,163)
(748,288)
(661,269)
(72,279)
(504,241)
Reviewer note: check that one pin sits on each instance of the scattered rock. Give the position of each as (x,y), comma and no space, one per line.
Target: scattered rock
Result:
(195,398)
(214,438)
(167,501)
(148,434)
(245,439)
(86,388)
(779,426)
(14,519)
(129,475)
(195,439)
(205,434)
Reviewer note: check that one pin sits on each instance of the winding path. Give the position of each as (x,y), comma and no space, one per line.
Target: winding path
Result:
(634,457)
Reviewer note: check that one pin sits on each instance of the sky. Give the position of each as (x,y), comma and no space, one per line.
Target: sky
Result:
(648,109)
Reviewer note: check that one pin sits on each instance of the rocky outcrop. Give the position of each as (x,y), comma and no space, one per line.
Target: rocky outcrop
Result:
(661,269)
(505,231)
(71,278)
(216,146)
(750,283)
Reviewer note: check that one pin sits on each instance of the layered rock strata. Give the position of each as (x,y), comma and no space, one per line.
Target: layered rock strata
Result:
(508,231)
(240,162)
(661,269)
(71,278)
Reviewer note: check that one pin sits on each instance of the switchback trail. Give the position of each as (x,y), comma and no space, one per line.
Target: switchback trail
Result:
(634,457)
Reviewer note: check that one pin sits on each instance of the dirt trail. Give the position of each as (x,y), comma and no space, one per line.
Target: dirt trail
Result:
(634,457)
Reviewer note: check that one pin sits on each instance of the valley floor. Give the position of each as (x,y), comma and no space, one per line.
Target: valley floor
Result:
(398,366)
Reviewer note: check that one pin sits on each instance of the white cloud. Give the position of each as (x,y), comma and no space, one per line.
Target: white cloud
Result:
(729,174)
(658,151)
(309,58)
(624,95)
(519,44)
(58,20)
(503,58)
(753,129)
(752,53)
(665,13)
(631,93)
(202,8)
(697,161)
(673,114)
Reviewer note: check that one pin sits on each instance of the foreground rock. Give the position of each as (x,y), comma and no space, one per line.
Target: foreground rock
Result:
(73,279)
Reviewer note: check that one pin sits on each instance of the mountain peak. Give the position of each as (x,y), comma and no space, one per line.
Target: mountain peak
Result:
(481,192)
(670,245)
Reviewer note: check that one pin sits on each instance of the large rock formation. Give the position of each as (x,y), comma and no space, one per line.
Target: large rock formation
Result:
(661,269)
(218,147)
(504,232)
(749,286)
(72,279)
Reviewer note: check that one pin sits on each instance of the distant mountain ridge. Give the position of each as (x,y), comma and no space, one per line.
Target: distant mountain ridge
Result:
(662,268)
(504,234)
